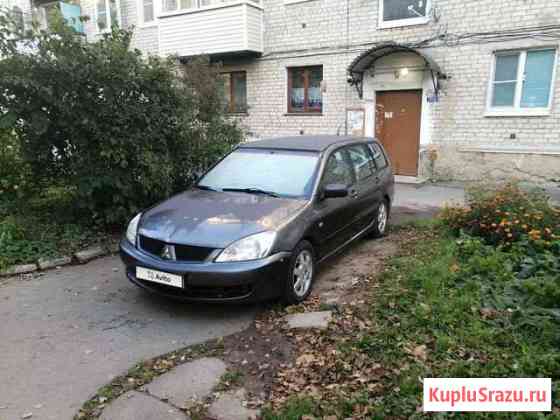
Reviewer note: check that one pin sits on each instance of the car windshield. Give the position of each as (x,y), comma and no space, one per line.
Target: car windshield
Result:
(264,171)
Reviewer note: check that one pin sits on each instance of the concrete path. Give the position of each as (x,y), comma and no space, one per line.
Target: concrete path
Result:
(413,202)
(65,334)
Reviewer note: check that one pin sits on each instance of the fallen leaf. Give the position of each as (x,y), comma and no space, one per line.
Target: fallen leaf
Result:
(420,352)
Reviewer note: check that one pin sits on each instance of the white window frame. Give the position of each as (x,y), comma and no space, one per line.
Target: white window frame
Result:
(140,7)
(198,7)
(516,109)
(108,13)
(403,22)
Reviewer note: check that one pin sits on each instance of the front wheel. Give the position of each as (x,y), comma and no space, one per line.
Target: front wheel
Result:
(301,274)
(381,220)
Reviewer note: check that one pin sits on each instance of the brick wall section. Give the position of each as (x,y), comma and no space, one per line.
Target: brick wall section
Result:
(333,32)
(457,121)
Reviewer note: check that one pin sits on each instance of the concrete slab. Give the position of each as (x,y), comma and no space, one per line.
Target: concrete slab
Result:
(188,383)
(89,254)
(46,263)
(19,269)
(428,196)
(138,406)
(309,320)
(229,406)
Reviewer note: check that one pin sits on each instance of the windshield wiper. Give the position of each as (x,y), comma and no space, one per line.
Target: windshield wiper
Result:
(252,191)
(205,188)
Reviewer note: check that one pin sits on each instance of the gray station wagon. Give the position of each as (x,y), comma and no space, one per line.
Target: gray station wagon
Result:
(257,225)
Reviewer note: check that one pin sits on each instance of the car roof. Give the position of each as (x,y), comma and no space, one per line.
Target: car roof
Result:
(305,143)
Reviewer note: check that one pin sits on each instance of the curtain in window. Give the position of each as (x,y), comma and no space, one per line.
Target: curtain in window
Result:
(538,79)
(314,96)
(297,93)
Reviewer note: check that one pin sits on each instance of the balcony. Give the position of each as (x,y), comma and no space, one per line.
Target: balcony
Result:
(211,27)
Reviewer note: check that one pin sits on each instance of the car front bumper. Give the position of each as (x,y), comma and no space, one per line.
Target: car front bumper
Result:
(246,281)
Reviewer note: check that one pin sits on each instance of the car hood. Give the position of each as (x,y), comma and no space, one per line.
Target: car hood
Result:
(215,219)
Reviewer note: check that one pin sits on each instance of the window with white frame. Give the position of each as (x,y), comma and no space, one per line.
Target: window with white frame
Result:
(522,81)
(403,12)
(147,11)
(175,5)
(107,14)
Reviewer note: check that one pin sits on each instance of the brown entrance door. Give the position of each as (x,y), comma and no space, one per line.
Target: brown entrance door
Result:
(397,126)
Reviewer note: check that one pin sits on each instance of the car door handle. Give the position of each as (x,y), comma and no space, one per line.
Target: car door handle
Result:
(353,193)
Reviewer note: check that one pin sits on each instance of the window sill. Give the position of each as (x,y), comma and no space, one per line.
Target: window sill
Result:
(536,112)
(403,23)
(513,150)
(287,2)
(303,114)
(148,25)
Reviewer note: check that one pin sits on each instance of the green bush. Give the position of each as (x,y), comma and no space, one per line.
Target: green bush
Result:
(505,214)
(119,130)
(15,175)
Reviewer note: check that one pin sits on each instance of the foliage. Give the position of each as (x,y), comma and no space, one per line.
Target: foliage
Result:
(447,306)
(295,408)
(505,214)
(15,174)
(463,311)
(25,239)
(120,130)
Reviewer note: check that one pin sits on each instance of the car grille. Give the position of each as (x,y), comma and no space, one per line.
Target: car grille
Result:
(182,252)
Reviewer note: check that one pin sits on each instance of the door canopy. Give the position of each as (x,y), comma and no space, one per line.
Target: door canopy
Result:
(367,60)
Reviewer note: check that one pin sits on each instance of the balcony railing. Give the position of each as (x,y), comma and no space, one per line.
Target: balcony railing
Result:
(213,27)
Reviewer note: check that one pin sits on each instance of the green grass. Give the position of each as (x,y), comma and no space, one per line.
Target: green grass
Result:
(438,294)
(44,226)
(229,380)
(294,409)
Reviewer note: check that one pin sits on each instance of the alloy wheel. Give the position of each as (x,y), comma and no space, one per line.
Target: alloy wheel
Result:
(382,218)
(303,273)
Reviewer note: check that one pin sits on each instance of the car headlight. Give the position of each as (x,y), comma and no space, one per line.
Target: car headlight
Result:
(250,248)
(132,229)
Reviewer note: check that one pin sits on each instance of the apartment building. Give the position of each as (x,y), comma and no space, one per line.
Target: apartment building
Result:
(454,89)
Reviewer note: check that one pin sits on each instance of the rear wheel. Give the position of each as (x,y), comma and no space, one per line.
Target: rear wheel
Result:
(381,221)
(301,274)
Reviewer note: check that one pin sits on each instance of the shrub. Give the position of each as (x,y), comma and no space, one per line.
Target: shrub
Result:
(505,214)
(15,175)
(120,130)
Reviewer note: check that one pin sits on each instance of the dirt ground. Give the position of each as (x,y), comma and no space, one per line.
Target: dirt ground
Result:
(268,347)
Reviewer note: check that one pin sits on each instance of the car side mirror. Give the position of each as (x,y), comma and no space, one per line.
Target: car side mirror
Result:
(335,191)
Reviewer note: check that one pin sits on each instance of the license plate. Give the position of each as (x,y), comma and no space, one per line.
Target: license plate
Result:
(159,277)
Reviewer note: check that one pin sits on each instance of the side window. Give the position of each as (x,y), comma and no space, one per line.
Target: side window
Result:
(338,170)
(362,160)
(378,156)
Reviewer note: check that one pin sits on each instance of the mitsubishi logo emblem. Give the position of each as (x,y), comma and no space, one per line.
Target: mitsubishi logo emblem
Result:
(168,252)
